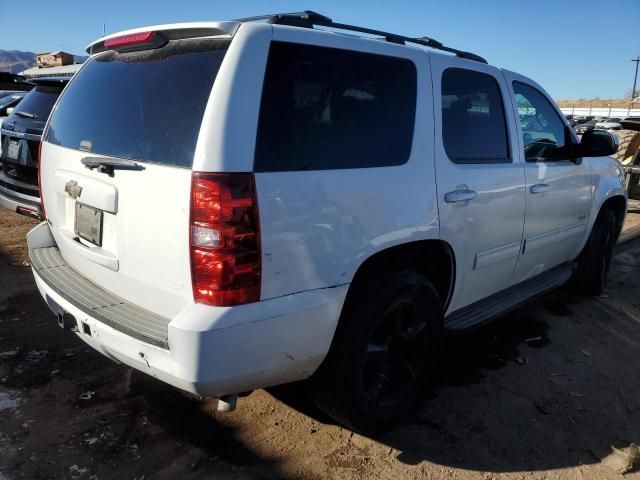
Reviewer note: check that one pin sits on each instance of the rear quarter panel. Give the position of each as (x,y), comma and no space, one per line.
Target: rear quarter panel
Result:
(318,227)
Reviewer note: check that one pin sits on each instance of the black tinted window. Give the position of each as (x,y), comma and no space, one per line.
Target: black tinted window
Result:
(473,121)
(39,101)
(140,105)
(542,128)
(325,108)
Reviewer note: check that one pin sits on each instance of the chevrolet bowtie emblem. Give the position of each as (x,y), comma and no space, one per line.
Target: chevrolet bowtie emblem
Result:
(73,189)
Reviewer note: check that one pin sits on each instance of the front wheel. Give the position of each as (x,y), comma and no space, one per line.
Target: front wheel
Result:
(595,259)
(384,352)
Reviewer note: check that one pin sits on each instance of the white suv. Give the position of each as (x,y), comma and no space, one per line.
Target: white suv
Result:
(242,204)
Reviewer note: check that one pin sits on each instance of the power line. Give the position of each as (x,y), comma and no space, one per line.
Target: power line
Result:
(635,78)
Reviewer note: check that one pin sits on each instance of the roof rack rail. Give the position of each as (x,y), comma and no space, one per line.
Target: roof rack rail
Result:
(308,19)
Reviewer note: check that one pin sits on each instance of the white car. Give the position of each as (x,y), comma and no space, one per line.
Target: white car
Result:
(272,202)
(611,123)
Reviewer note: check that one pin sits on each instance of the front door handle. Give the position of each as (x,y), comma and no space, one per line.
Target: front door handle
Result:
(539,188)
(459,196)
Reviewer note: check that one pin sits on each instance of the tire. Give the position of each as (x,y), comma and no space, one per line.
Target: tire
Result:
(628,140)
(595,259)
(384,353)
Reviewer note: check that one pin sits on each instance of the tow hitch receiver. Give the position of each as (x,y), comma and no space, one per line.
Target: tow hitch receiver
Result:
(67,321)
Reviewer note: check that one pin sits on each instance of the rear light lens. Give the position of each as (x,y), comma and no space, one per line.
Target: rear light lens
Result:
(43,213)
(225,239)
(131,39)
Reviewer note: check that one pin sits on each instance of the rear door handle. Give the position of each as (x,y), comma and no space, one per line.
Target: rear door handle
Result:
(459,196)
(539,188)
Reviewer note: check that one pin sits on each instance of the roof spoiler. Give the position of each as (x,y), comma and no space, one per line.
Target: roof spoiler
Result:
(175,31)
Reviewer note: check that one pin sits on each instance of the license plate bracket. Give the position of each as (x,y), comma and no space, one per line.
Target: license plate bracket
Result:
(13,150)
(88,223)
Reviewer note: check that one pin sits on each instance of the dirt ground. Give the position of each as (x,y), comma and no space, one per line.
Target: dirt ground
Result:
(543,393)
(596,103)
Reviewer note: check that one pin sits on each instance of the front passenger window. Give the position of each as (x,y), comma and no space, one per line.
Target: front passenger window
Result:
(542,128)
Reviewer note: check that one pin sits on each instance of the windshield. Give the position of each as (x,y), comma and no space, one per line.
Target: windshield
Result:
(141,105)
(39,102)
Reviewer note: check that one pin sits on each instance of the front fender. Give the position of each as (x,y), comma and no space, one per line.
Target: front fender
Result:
(607,182)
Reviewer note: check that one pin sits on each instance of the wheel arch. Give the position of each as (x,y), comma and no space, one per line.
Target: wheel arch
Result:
(617,204)
(435,259)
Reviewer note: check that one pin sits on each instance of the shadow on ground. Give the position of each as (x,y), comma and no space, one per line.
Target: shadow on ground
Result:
(551,385)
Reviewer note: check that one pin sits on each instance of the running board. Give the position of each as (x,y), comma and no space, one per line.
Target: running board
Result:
(508,299)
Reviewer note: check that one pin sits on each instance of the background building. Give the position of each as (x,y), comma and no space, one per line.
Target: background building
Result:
(53,59)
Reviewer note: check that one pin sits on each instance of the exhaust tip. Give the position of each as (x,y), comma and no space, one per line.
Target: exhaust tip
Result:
(227,403)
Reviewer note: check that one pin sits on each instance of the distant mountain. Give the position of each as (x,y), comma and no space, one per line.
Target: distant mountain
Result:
(15,61)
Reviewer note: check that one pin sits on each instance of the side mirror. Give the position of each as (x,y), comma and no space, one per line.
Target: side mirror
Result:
(10,110)
(597,143)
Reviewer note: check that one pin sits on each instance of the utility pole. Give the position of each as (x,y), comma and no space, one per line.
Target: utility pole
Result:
(635,79)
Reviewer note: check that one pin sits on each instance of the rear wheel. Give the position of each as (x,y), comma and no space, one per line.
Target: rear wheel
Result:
(384,353)
(594,261)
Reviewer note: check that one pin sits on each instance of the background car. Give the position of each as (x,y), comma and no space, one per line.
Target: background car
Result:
(8,101)
(21,132)
(631,123)
(586,126)
(611,123)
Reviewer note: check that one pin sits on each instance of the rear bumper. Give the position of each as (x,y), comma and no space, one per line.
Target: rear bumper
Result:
(214,351)
(17,202)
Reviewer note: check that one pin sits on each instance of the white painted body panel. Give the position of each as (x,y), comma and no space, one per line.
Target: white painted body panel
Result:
(318,227)
(556,220)
(218,351)
(485,232)
(144,256)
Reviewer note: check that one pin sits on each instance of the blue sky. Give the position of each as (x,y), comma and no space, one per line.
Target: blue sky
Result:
(570,47)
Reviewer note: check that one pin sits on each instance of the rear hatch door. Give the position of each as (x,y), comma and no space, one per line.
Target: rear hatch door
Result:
(116,168)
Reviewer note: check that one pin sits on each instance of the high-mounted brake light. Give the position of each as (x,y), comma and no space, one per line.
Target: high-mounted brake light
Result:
(130,39)
(225,239)
(43,213)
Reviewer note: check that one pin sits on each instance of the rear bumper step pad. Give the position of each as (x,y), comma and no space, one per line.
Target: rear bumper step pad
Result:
(97,302)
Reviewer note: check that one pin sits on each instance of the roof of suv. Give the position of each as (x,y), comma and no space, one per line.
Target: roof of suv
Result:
(306,19)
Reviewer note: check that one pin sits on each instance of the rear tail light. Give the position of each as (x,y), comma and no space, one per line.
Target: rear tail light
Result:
(43,213)
(225,239)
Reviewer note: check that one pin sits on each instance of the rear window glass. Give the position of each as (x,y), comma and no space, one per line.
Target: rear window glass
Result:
(326,108)
(39,101)
(474,129)
(144,106)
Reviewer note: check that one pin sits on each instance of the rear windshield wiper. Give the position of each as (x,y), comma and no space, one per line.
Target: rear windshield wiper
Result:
(26,114)
(108,165)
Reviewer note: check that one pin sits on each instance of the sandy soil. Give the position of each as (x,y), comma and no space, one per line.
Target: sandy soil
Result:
(543,393)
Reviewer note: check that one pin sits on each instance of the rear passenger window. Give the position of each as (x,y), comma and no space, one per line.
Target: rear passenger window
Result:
(326,108)
(474,129)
